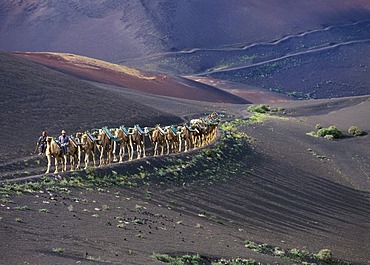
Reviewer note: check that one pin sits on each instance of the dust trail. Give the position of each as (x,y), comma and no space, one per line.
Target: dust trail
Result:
(232,47)
(312,50)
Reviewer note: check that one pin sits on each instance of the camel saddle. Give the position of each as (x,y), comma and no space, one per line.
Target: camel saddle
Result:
(74,141)
(109,134)
(125,131)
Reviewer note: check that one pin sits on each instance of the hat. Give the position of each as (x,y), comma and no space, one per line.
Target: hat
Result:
(63,131)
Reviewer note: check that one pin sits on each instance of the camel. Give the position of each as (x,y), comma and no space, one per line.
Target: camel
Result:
(199,134)
(158,136)
(212,121)
(188,136)
(138,139)
(105,142)
(88,146)
(124,141)
(54,150)
(73,152)
(173,138)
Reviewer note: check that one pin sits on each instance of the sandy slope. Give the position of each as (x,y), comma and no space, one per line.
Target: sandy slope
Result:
(108,73)
(35,98)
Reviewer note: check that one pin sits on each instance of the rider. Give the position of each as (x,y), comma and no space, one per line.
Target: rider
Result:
(41,143)
(64,141)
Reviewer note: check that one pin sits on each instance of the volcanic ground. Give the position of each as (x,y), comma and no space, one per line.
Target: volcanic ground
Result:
(267,182)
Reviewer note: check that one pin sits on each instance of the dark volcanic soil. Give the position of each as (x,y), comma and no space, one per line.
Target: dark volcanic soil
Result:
(285,189)
(114,30)
(35,98)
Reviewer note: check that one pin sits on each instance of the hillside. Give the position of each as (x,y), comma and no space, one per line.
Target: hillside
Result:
(114,74)
(113,30)
(325,62)
(274,197)
(267,189)
(35,98)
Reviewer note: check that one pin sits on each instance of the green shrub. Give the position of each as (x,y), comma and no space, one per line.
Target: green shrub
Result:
(58,250)
(355,131)
(331,130)
(262,108)
(182,260)
(325,255)
(329,137)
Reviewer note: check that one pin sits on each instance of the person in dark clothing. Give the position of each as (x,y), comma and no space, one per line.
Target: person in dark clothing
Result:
(41,143)
(64,142)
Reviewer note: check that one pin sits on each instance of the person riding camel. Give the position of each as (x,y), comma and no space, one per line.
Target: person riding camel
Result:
(41,143)
(64,141)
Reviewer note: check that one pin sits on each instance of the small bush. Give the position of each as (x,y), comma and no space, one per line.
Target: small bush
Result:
(58,250)
(237,261)
(121,226)
(105,207)
(329,137)
(262,108)
(355,131)
(325,255)
(331,130)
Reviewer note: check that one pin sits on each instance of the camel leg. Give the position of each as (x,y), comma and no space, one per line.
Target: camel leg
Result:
(56,164)
(143,149)
(168,147)
(121,153)
(114,151)
(129,151)
(156,149)
(124,152)
(186,145)
(132,152)
(138,150)
(72,162)
(87,160)
(180,143)
(79,157)
(94,155)
(162,149)
(49,164)
(101,163)
(64,163)
(109,157)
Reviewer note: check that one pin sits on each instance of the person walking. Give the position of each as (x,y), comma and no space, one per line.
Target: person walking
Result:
(64,142)
(41,143)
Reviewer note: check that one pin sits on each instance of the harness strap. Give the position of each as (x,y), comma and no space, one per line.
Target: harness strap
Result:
(74,141)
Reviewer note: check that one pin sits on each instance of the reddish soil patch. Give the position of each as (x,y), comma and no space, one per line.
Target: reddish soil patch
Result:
(254,95)
(158,84)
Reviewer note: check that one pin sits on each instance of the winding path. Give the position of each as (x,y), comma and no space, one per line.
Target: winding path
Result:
(236,47)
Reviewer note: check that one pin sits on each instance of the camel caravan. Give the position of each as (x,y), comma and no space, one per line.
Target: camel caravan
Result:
(111,144)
